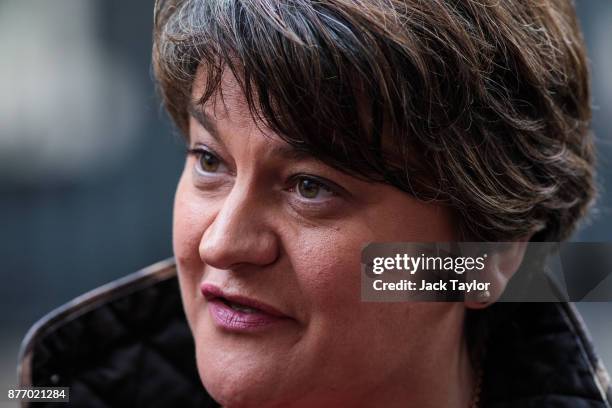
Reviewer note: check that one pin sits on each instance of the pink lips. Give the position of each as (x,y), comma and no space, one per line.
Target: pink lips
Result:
(238,313)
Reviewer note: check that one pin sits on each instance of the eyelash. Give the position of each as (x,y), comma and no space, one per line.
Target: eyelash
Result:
(323,184)
(199,151)
(293,180)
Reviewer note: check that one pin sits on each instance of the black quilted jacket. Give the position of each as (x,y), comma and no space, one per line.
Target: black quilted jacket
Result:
(127,344)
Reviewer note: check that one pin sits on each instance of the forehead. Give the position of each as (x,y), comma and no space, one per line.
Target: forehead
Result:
(228,105)
(226,115)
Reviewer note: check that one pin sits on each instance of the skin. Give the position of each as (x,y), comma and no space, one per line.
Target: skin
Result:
(246,226)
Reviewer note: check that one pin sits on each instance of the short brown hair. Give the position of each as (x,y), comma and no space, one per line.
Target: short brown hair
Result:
(483,105)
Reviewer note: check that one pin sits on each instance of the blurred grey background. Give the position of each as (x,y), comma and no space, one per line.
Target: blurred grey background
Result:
(88,162)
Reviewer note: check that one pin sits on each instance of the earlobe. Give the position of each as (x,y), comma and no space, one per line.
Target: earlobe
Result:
(499,268)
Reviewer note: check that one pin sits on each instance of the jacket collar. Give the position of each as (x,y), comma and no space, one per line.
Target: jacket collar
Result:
(540,355)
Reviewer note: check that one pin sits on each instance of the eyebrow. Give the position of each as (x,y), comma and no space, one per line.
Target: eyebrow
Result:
(204,120)
(285,151)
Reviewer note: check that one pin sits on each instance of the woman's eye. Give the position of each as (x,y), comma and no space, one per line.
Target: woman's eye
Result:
(208,162)
(312,189)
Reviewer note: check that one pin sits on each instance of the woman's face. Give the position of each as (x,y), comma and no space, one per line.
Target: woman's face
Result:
(268,245)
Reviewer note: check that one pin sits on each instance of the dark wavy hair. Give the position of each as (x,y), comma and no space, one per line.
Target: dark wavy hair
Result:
(482,105)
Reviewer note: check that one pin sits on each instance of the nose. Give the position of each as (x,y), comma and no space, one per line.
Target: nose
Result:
(239,234)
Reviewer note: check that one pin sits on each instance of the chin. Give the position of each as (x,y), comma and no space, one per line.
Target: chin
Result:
(239,381)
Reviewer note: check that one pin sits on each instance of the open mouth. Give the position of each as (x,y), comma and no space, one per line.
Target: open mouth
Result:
(240,315)
(238,307)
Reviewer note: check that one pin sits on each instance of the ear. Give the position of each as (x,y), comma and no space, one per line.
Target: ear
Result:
(499,268)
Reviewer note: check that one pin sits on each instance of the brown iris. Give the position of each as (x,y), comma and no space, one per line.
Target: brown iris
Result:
(308,188)
(209,162)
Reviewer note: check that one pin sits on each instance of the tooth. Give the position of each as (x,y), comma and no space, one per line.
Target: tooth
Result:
(241,308)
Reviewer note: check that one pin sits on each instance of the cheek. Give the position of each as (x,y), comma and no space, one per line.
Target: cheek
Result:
(189,222)
(327,267)
(413,221)
(327,264)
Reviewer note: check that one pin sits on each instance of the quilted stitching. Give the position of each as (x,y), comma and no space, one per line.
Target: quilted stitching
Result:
(134,351)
